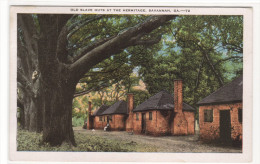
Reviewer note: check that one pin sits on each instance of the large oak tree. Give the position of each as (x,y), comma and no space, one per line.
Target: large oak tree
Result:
(48,69)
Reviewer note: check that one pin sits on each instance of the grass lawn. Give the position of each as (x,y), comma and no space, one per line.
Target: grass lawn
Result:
(30,141)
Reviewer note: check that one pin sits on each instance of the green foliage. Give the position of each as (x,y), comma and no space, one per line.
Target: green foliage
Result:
(139,96)
(201,50)
(78,118)
(205,51)
(85,100)
(76,104)
(78,121)
(29,141)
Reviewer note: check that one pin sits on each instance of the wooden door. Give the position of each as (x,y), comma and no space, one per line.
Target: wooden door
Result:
(225,126)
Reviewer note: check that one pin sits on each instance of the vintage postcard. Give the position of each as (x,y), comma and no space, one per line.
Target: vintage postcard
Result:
(130,84)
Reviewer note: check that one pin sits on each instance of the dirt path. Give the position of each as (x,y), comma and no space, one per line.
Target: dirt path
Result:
(163,144)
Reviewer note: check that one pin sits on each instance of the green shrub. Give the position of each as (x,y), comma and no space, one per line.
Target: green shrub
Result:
(77,121)
(29,141)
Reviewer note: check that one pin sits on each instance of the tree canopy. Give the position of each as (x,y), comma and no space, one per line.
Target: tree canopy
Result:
(205,51)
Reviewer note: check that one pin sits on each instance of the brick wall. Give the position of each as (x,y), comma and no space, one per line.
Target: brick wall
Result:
(211,131)
(99,124)
(190,117)
(163,122)
(117,123)
(180,124)
(137,124)
(159,125)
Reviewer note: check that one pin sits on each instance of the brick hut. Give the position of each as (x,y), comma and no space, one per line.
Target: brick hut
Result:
(98,120)
(116,115)
(163,114)
(220,113)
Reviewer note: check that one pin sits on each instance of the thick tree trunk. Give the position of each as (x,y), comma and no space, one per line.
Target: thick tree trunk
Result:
(32,115)
(57,118)
(30,112)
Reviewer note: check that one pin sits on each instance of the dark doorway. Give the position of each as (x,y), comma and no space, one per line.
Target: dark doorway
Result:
(143,123)
(225,126)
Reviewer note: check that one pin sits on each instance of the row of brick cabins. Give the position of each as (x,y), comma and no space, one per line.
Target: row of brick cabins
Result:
(220,114)
(161,114)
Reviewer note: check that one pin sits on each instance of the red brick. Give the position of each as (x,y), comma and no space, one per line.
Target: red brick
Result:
(190,117)
(175,122)
(178,96)
(210,130)
(130,107)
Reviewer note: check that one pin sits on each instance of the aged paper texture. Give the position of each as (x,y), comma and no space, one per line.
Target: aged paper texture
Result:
(245,155)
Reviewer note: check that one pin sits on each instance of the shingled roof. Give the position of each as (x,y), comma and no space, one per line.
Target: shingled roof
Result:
(99,111)
(120,107)
(161,101)
(232,92)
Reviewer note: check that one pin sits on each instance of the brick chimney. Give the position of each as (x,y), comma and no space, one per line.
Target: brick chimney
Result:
(90,121)
(178,95)
(180,124)
(130,107)
(130,102)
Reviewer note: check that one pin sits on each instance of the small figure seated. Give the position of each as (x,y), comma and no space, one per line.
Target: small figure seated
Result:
(107,127)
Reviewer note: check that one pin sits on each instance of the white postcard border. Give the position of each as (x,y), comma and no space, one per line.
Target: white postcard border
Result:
(246,156)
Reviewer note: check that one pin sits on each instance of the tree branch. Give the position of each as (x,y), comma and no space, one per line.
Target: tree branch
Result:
(24,62)
(233,47)
(62,52)
(148,42)
(211,65)
(229,58)
(26,24)
(78,25)
(25,21)
(24,84)
(82,93)
(108,71)
(80,43)
(90,47)
(116,44)
(23,80)
(198,75)
(87,91)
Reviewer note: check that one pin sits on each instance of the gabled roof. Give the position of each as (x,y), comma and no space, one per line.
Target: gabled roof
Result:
(99,111)
(232,92)
(120,107)
(160,101)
